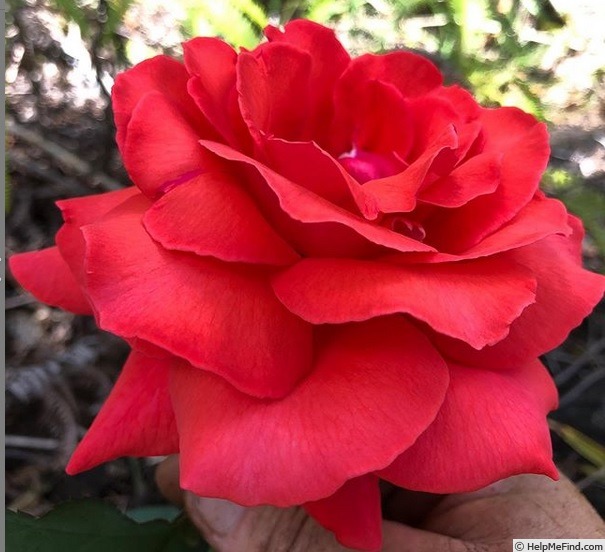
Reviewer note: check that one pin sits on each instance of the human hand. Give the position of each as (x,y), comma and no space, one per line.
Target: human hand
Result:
(524,506)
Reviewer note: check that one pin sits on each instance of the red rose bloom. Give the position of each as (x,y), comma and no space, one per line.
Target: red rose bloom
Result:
(330,270)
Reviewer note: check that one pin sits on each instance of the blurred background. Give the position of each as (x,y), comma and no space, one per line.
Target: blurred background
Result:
(546,57)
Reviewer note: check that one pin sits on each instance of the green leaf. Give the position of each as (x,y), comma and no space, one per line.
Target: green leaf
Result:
(582,444)
(94,526)
(149,513)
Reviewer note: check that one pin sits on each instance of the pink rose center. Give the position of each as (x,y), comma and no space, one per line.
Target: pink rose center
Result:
(364,165)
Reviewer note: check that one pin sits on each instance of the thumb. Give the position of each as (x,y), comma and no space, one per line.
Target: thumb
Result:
(229,527)
(402,538)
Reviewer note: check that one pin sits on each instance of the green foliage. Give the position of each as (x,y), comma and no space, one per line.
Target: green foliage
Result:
(239,22)
(589,205)
(583,201)
(99,20)
(585,446)
(93,526)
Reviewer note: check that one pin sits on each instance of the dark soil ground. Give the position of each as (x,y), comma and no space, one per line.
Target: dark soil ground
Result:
(60,367)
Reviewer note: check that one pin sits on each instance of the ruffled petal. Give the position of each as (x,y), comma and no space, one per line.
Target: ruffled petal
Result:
(161,74)
(273,86)
(462,100)
(136,420)
(541,218)
(398,193)
(219,317)
(353,513)
(479,176)
(375,387)
(328,60)
(211,62)
(212,215)
(46,275)
(305,163)
(492,425)
(305,206)
(161,150)
(523,142)
(412,75)
(565,295)
(76,213)
(475,301)
(431,116)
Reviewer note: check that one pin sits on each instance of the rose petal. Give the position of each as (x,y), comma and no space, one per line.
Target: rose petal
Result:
(565,295)
(161,150)
(46,275)
(383,374)
(539,219)
(475,301)
(430,117)
(303,205)
(136,420)
(480,175)
(80,211)
(379,121)
(397,194)
(223,319)
(461,100)
(492,425)
(273,85)
(305,163)
(161,74)
(328,60)
(525,155)
(212,215)
(412,75)
(353,513)
(211,62)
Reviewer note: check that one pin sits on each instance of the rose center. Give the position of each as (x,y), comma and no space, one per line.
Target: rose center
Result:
(364,165)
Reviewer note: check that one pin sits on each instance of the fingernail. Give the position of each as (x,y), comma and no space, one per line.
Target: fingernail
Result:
(221,516)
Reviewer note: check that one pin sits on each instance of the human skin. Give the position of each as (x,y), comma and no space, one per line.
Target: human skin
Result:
(524,506)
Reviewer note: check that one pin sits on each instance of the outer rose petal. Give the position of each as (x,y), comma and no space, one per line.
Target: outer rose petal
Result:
(566,293)
(161,74)
(212,215)
(221,318)
(161,150)
(46,275)
(353,513)
(375,387)
(136,420)
(80,211)
(475,301)
(492,425)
